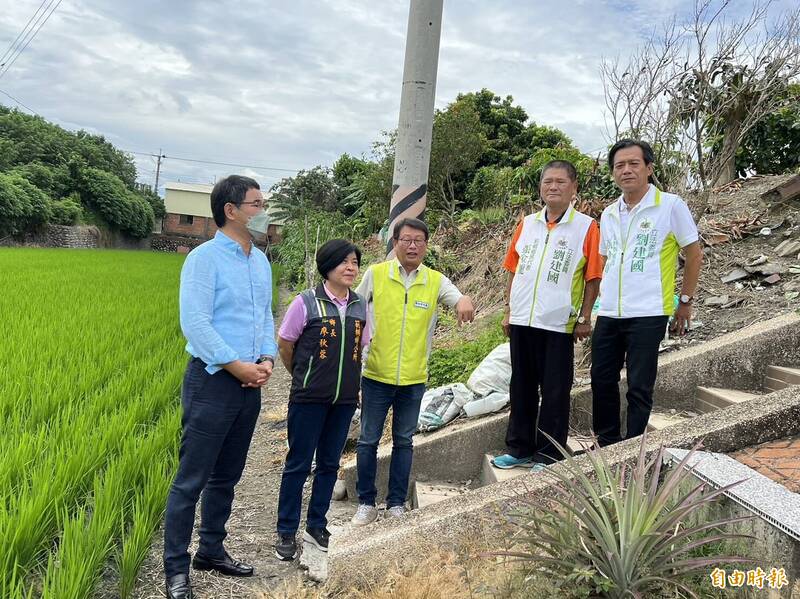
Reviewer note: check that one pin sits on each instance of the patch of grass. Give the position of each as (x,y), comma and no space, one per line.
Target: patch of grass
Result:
(278,275)
(455,364)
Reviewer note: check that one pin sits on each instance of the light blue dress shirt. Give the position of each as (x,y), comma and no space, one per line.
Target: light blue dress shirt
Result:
(226,303)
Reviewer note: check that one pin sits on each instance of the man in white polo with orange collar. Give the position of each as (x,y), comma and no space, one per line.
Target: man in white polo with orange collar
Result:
(554,273)
(641,235)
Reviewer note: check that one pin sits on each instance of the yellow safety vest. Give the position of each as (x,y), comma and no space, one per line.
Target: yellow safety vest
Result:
(398,351)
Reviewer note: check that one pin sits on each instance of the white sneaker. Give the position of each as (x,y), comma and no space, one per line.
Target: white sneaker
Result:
(365,514)
(396,511)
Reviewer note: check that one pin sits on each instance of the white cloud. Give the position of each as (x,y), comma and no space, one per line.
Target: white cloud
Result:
(295,84)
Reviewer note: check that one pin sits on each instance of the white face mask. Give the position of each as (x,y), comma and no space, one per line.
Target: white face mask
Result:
(258,224)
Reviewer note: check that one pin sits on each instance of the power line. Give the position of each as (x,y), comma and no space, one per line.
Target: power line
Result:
(263,168)
(55,4)
(10,48)
(20,103)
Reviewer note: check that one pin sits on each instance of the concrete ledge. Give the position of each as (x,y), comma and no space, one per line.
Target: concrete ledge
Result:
(453,453)
(363,554)
(737,360)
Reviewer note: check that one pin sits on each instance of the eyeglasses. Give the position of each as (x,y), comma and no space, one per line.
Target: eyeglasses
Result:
(408,242)
(255,203)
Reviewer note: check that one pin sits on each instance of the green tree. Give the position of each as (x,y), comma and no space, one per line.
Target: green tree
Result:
(491,186)
(294,197)
(457,144)
(511,139)
(773,144)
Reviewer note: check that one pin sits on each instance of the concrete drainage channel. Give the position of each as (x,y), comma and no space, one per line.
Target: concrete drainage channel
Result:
(738,390)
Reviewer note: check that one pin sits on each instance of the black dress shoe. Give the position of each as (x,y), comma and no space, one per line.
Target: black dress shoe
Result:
(224,565)
(179,587)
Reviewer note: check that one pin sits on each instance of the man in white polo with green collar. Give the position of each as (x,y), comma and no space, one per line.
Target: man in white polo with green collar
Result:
(641,235)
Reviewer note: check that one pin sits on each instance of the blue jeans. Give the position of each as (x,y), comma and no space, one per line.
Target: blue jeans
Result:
(376,399)
(312,427)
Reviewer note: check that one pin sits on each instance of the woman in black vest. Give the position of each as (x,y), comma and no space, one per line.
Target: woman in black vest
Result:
(320,343)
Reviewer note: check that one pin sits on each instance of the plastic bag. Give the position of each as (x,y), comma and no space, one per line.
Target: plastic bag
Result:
(493,374)
(441,405)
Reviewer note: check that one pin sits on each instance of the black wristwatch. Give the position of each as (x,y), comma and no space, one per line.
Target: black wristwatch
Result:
(264,359)
(686,299)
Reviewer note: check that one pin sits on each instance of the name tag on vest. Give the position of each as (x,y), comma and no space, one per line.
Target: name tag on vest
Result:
(423,305)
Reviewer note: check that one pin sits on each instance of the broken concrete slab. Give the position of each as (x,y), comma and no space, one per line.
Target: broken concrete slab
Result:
(735,275)
(315,561)
(716,301)
(339,490)
(789,190)
(769,268)
(787,248)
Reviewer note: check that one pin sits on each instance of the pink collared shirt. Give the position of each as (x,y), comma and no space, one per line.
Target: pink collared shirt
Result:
(296,318)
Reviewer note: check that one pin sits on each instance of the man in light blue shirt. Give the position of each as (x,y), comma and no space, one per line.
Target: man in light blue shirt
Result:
(226,316)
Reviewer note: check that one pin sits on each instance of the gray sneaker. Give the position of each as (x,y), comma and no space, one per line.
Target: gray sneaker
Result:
(365,514)
(396,511)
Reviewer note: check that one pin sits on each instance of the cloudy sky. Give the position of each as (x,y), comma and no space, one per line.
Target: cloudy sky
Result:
(289,85)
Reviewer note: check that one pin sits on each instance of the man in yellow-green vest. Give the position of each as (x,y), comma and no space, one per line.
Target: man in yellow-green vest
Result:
(402,297)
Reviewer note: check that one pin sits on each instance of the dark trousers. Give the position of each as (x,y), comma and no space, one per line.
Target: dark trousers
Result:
(312,427)
(219,417)
(633,342)
(376,399)
(541,362)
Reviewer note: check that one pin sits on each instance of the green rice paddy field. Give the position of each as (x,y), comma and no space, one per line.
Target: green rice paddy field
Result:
(91,359)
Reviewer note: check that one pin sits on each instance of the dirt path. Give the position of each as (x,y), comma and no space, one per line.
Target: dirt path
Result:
(251,528)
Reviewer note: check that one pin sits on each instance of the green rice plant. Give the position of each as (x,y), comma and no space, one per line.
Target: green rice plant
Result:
(148,510)
(89,407)
(88,539)
(620,532)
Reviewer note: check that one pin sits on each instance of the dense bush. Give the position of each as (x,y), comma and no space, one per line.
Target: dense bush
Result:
(55,181)
(23,206)
(119,206)
(67,211)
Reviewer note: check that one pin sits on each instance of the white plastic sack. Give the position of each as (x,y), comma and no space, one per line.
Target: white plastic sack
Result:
(486,404)
(493,373)
(441,405)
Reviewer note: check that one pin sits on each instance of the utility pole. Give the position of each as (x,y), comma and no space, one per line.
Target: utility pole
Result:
(415,126)
(158,168)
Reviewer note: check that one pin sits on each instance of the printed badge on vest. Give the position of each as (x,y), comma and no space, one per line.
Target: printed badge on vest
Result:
(423,305)
(644,245)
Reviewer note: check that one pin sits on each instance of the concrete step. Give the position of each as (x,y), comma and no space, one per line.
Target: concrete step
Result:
(659,421)
(490,474)
(578,445)
(426,494)
(780,377)
(709,399)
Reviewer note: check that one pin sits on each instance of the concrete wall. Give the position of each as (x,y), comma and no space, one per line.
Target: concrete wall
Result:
(736,360)
(362,553)
(79,237)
